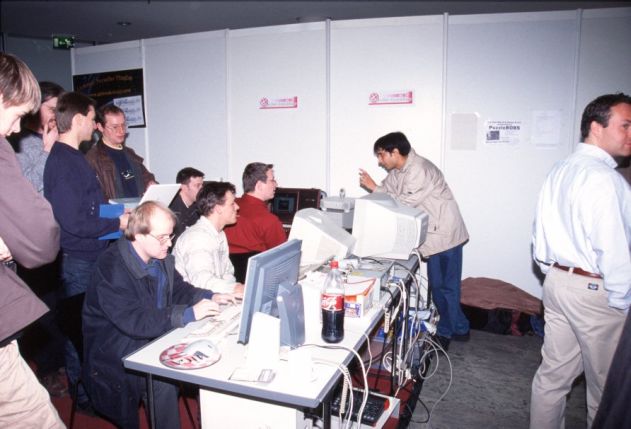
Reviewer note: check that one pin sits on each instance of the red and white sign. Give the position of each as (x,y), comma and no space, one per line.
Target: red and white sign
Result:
(278,103)
(390,97)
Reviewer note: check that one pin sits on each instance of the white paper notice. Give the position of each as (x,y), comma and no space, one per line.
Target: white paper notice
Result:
(503,132)
(132,106)
(546,128)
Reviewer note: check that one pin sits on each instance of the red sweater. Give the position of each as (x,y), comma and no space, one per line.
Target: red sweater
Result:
(256,229)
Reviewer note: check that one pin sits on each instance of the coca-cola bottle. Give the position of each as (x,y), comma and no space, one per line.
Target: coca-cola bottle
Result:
(332,303)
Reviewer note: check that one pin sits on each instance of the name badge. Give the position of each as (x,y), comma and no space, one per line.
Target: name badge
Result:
(592,286)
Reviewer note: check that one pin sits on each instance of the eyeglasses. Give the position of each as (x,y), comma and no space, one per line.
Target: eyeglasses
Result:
(164,239)
(119,127)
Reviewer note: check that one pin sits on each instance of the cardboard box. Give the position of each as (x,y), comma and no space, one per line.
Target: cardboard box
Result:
(361,293)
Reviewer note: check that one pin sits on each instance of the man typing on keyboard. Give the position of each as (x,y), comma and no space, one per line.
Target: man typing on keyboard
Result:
(135,296)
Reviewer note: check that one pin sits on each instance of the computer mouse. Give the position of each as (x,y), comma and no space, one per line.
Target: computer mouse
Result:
(202,347)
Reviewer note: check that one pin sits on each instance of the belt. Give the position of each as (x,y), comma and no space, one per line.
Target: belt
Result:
(578,271)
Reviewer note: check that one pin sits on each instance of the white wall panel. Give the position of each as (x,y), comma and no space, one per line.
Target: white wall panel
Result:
(391,54)
(504,67)
(278,62)
(605,63)
(185,84)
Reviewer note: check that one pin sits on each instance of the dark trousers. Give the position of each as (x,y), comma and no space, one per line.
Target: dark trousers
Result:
(444,272)
(614,411)
(167,411)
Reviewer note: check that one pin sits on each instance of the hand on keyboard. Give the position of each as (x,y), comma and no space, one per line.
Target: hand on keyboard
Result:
(205,308)
(220,325)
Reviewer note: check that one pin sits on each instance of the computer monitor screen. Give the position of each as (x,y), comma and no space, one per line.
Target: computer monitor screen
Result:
(385,228)
(284,206)
(265,272)
(322,238)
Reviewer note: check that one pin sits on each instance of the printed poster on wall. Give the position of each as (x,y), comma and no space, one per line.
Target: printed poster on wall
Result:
(123,88)
(390,97)
(503,132)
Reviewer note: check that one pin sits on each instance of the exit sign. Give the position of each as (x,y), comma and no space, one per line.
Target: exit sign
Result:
(63,42)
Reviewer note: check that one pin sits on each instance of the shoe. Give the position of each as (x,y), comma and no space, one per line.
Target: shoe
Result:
(443,342)
(54,384)
(463,337)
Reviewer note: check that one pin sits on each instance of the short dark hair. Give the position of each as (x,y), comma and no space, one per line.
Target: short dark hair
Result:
(48,90)
(108,109)
(392,141)
(140,218)
(211,195)
(18,84)
(599,110)
(68,105)
(254,172)
(185,175)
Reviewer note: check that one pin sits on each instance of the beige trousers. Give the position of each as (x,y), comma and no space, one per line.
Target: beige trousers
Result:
(24,403)
(581,335)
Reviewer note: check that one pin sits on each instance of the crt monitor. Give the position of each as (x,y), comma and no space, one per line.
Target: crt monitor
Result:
(385,228)
(266,271)
(322,238)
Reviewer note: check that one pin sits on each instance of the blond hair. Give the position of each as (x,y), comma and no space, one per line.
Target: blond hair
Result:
(18,85)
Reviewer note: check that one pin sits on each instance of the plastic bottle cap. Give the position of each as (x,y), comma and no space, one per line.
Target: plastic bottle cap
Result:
(334,264)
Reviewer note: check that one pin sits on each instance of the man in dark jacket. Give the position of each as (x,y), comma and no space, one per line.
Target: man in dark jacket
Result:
(29,235)
(121,171)
(135,296)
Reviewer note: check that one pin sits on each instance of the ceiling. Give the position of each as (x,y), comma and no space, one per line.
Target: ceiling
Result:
(97,22)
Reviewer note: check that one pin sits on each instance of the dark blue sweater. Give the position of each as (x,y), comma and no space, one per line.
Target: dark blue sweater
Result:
(72,188)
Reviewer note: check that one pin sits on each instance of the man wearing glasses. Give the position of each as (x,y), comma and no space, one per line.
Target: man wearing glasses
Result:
(135,296)
(120,169)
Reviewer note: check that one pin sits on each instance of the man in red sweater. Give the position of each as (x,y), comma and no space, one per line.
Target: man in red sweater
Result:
(257,229)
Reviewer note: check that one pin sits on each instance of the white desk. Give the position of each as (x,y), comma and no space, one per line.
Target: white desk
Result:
(282,396)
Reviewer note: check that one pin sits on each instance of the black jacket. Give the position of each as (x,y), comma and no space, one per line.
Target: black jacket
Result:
(120,315)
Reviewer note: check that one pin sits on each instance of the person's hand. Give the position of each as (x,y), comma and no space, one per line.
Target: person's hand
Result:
(238,290)
(5,253)
(50,135)
(205,308)
(224,298)
(124,218)
(366,181)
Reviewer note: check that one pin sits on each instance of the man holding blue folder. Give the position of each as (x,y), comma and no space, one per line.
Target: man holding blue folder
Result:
(73,190)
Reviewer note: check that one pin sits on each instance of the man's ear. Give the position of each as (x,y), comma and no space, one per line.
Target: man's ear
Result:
(99,127)
(595,129)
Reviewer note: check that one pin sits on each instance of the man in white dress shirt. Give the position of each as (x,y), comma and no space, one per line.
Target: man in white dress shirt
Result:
(581,241)
(201,252)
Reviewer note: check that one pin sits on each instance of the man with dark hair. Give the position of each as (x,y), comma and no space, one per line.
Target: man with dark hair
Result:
(201,253)
(581,241)
(30,236)
(183,205)
(72,188)
(135,295)
(417,182)
(120,170)
(257,229)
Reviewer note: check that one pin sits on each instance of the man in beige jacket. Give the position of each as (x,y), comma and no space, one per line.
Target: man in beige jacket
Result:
(417,182)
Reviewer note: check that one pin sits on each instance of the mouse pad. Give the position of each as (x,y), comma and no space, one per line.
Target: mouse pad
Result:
(175,357)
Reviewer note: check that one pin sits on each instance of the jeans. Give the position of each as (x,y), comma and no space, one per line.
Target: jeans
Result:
(75,275)
(444,272)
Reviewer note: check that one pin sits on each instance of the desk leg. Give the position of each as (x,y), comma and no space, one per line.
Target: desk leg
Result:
(326,413)
(152,412)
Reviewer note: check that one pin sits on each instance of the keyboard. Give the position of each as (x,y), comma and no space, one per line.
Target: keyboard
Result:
(220,326)
(373,410)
